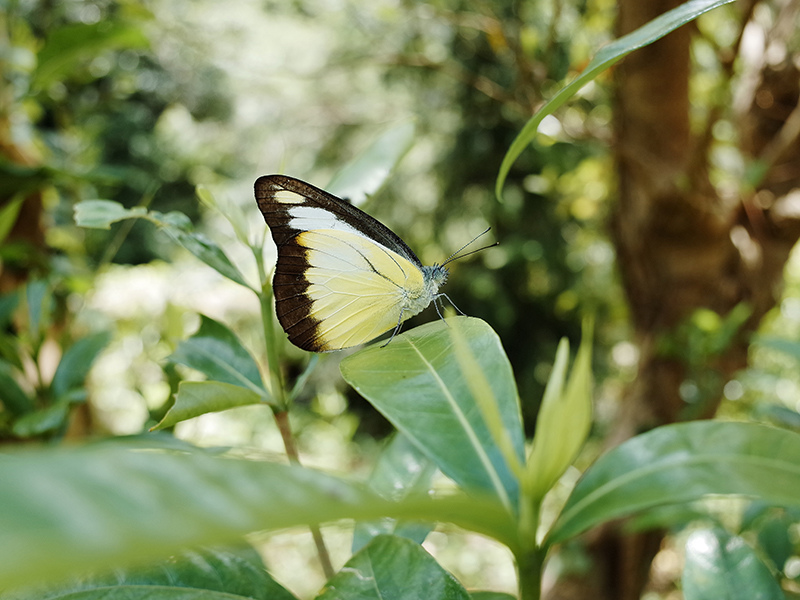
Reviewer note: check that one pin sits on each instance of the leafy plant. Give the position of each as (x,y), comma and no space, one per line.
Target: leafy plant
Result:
(449,390)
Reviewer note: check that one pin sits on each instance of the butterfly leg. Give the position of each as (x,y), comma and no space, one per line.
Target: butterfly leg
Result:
(439,299)
(396,329)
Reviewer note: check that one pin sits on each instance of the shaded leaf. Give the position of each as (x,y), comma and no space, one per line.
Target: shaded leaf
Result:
(195,398)
(680,463)
(606,57)
(721,566)
(217,573)
(215,351)
(44,420)
(392,567)
(77,360)
(401,469)
(417,384)
(13,397)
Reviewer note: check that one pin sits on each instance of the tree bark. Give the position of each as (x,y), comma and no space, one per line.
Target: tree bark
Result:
(682,246)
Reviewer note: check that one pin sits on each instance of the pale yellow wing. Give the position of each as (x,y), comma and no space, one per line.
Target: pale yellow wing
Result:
(357,288)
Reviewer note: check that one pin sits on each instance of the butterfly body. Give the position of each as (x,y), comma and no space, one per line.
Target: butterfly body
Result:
(342,278)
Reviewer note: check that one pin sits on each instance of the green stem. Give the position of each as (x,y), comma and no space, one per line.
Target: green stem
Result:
(281,411)
(270,341)
(530,556)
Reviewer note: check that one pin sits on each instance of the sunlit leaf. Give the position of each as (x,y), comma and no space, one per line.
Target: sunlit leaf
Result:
(195,398)
(564,420)
(605,58)
(100,214)
(721,566)
(63,512)
(681,463)
(417,384)
(367,173)
(393,567)
(70,44)
(216,351)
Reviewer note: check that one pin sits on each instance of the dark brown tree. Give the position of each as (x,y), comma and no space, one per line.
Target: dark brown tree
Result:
(682,245)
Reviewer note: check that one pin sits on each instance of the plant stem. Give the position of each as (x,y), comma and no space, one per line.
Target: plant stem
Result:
(529,568)
(282,419)
(281,411)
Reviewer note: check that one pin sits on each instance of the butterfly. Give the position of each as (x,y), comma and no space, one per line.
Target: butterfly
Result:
(342,278)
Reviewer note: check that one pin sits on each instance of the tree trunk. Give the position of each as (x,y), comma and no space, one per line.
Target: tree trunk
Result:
(682,247)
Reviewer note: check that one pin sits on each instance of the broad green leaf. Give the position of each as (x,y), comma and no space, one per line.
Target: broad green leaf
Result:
(13,397)
(366,174)
(491,596)
(100,214)
(417,384)
(605,58)
(68,511)
(721,566)
(681,463)
(195,398)
(76,362)
(215,351)
(69,45)
(564,420)
(217,573)
(8,215)
(401,469)
(393,567)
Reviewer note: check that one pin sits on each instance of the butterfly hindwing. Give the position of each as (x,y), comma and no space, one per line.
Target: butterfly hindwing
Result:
(342,277)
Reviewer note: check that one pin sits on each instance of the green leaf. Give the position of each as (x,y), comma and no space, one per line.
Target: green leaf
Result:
(70,45)
(216,351)
(605,58)
(178,226)
(39,303)
(564,420)
(44,420)
(401,470)
(100,214)
(67,511)
(721,566)
(75,363)
(393,567)
(217,573)
(12,396)
(195,398)
(8,215)
(232,213)
(367,173)
(491,596)
(418,385)
(681,463)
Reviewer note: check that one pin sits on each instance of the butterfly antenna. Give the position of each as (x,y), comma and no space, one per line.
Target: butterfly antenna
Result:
(457,254)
